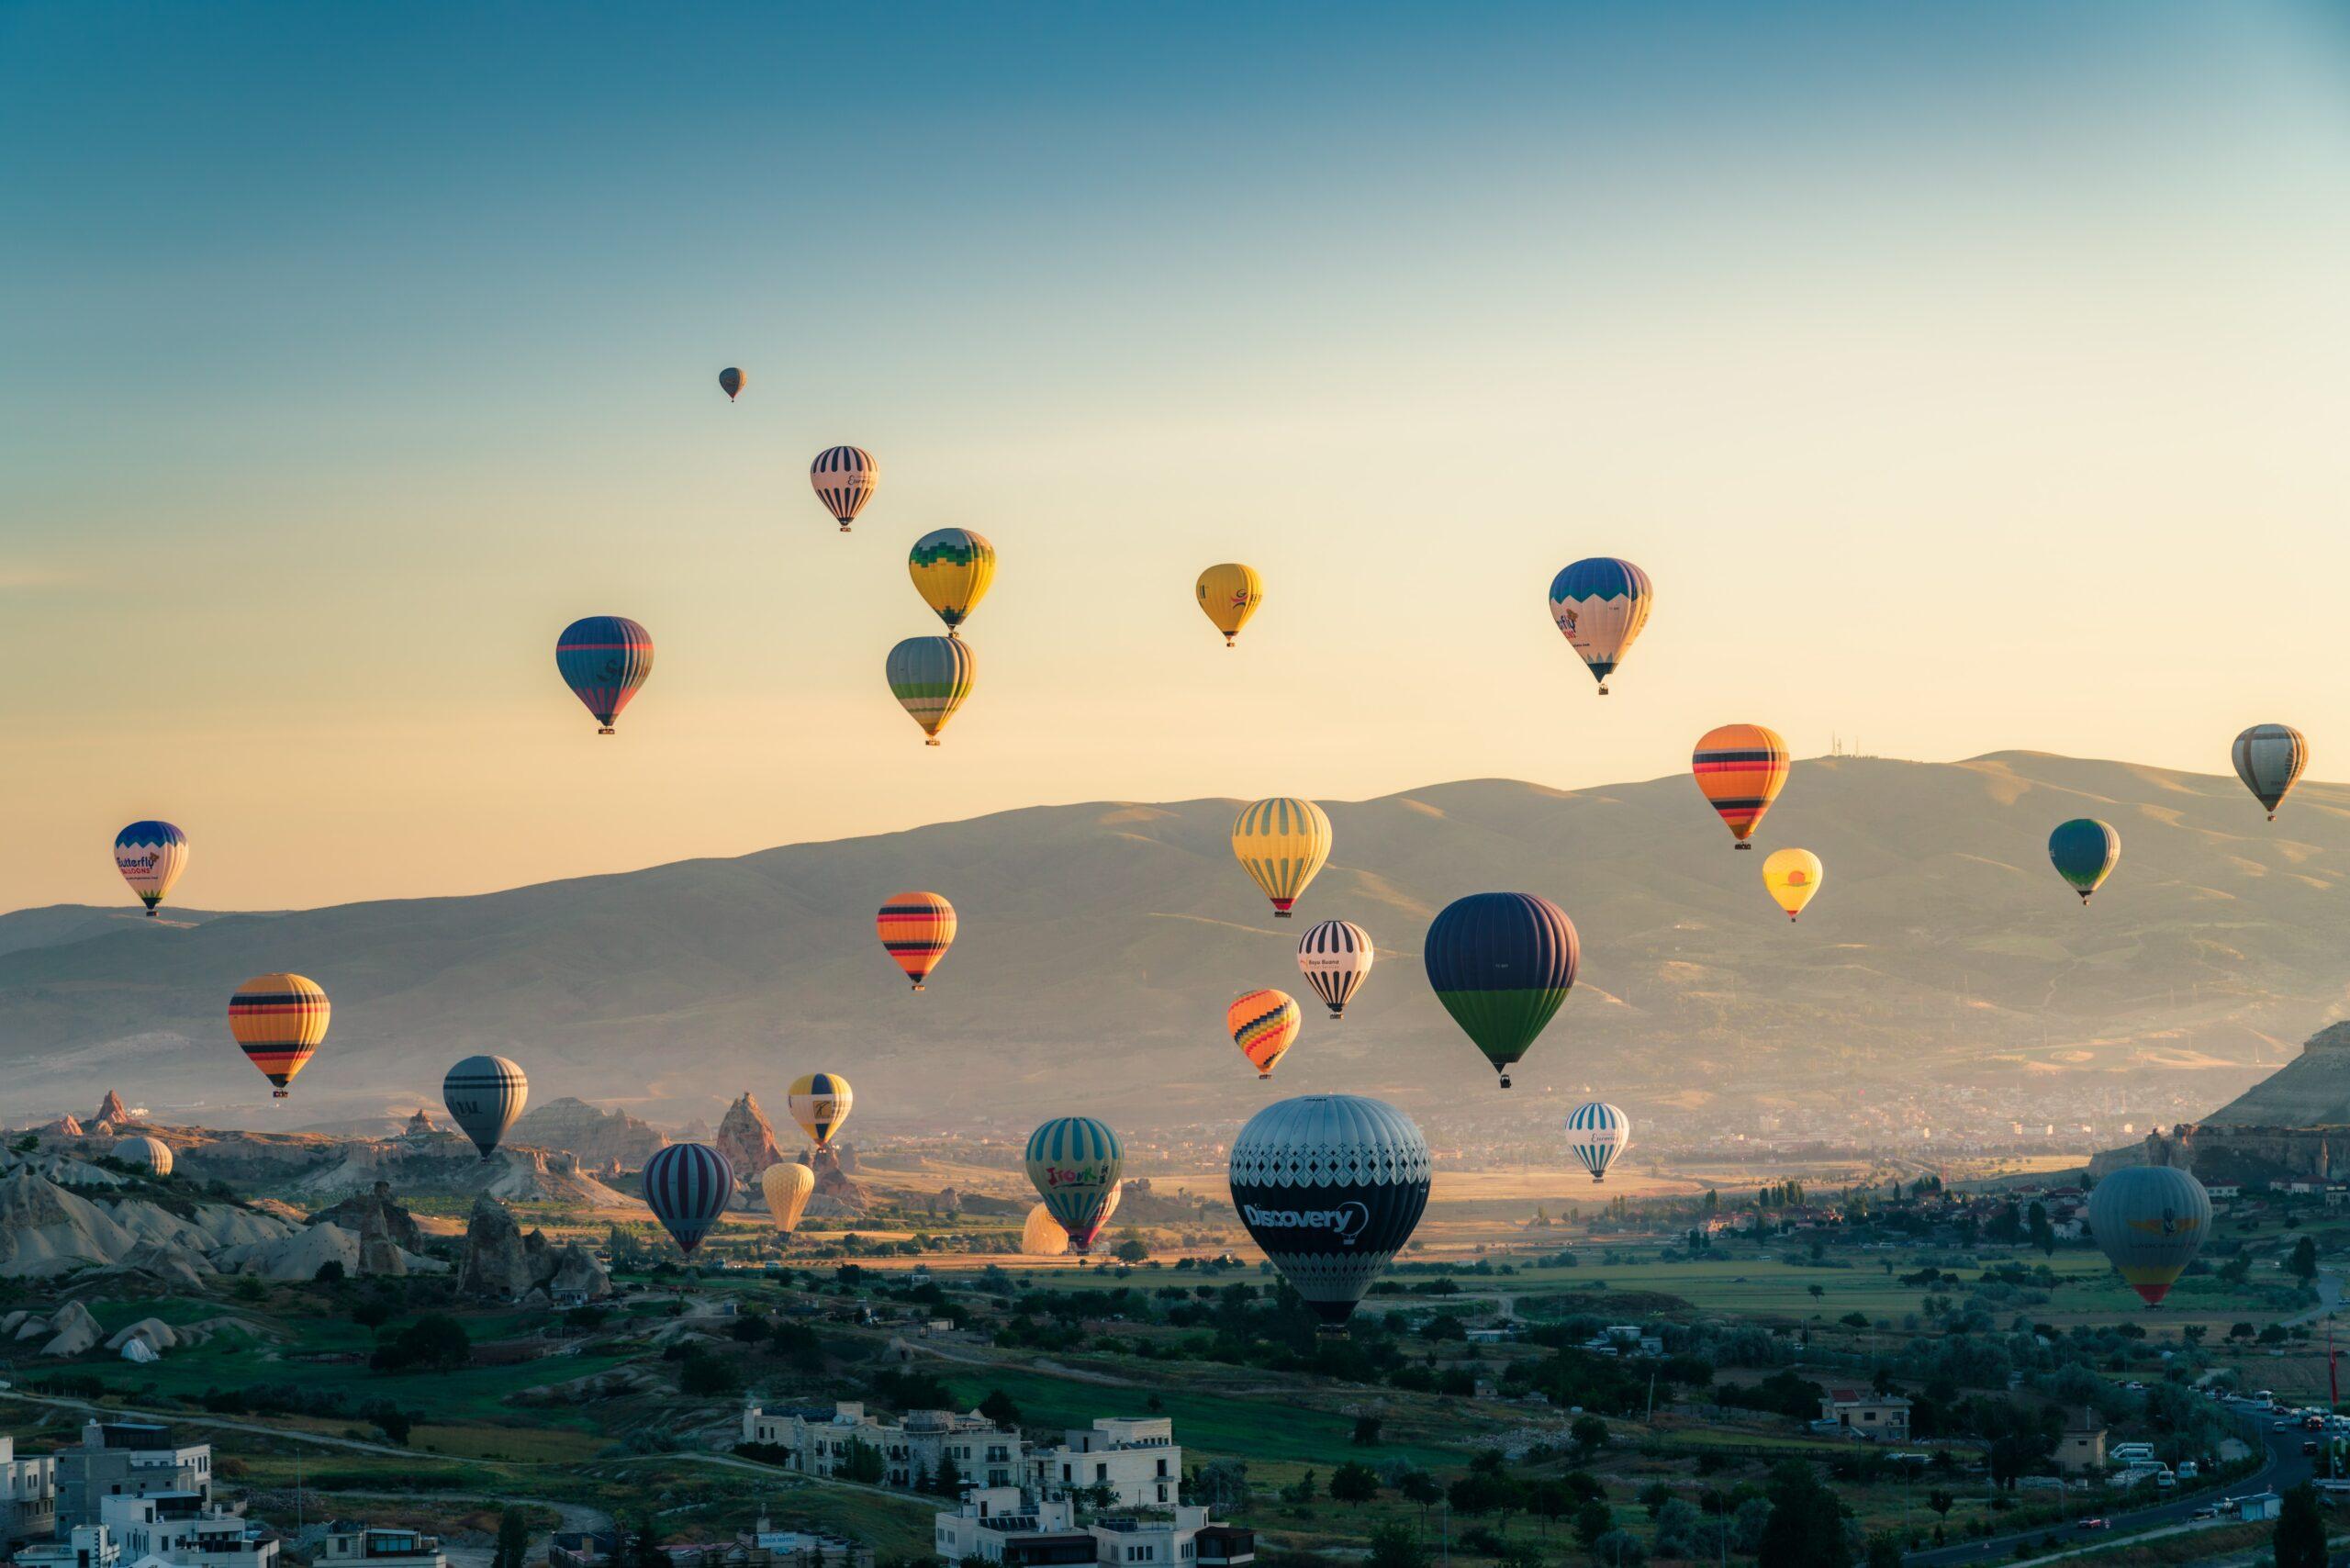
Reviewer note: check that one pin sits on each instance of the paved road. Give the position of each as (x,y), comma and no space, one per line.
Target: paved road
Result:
(2329,1296)
(2286,1466)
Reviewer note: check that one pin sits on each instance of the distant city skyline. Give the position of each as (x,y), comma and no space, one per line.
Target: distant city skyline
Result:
(1964,381)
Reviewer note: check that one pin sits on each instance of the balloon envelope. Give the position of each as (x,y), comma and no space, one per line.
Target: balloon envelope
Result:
(844,478)
(279,1020)
(1791,877)
(150,855)
(1330,1186)
(820,1102)
(1598,1134)
(1264,1026)
(930,676)
(2269,759)
(2084,852)
(952,568)
(1740,768)
(1502,964)
(1599,606)
(2151,1221)
(1281,843)
(1230,593)
(1042,1236)
(1335,957)
(151,1153)
(1074,1162)
(687,1186)
(916,929)
(731,381)
(787,1188)
(485,1094)
(604,659)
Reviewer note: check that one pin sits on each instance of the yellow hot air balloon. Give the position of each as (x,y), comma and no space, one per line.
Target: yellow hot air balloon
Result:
(952,568)
(788,1188)
(1230,593)
(820,1102)
(1281,843)
(1791,876)
(1042,1237)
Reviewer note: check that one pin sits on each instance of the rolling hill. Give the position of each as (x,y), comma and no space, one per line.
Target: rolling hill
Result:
(1101,942)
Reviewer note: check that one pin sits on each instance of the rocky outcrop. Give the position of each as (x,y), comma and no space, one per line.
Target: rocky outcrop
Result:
(503,1264)
(111,1111)
(598,1138)
(747,1140)
(375,1216)
(73,1331)
(836,1196)
(2292,1125)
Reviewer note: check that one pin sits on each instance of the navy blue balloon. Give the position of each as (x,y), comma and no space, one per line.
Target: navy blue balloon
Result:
(1502,964)
(687,1186)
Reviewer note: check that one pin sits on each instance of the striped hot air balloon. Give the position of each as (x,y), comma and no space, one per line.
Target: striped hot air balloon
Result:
(844,478)
(952,569)
(1330,1186)
(687,1186)
(1264,1026)
(820,1102)
(1598,1134)
(2269,759)
(279,1020)
(1740,768)
(1791,877)
(146,1154)
(1281,843)
(1335,957)
(485,1095)
(729,381)
(916,929)
(603,659)
(1041,1235)
(1074,1162)
(1230,593)
(930,676)
(787,1188)
(1599,606)
(150,855)
(2084,852)
(1502,964)
(2151,1221)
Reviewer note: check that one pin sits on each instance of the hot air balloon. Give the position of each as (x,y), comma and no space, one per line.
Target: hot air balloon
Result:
(952,568)
(1791,877)
(2151,1220)
(485,1094)
(687,1186)
(603,659)
(1335,957)
(150,855)
(2268,758)
(1600,605)
(1502,963)
(787,1187)
(1230,593)
(930,676)
(820,1102)
(151,1154)
(1074,1162)
(1742,769)
(845,477)
(1330,1186)
(1598,1133)
(729,381)
(279,1020)
(1042,1236)
(916,929)
(1264,1026)
(1281,843)
(2084,851)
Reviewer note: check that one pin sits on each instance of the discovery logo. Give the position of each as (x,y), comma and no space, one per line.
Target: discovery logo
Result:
(1346,1222)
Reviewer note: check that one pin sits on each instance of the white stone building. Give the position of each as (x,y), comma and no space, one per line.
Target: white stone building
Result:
(127,1459)
(84,1546)
(180,1529)
(912,1451)
(27,1496)
(350,1545)
(1011,1526)
(1136,1457)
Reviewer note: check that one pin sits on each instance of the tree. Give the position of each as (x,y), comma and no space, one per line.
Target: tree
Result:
(1817,1291)
(864,1462)
(513,1540)
(948,1483)
(1594,1520)
(1589,1433)
(1353,1483)
(1367,1431)
(998,1407)
(1805,1529)
(2299,1540)
(2302,1264)
(644,1545)
(1885,1547)
(1392,1545)
(1417,1486)
(1300,1493)
(2195,1332)
(706,1375)
(331,1273)
(1676,1528)
(435,1342)
(1130,1247)
(371,1314)
(1942,1503)
(2044,1235)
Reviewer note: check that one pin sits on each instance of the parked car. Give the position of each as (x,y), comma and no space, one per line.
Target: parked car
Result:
(2205,1513)
(2093,1524)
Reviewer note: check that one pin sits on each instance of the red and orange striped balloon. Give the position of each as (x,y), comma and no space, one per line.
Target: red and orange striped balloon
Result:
(916,929)
(1742,769)
(1264,1026)
(279,1020)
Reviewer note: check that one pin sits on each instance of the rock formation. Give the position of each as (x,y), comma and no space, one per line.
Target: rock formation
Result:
(111,1111)
(747,1140)
(2292,1125)
(374,1215)
(73,1331)
(836,1196)
(595,1137)
(503,1264)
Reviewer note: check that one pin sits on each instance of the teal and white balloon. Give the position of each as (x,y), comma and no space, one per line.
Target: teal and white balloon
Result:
(1598,1134)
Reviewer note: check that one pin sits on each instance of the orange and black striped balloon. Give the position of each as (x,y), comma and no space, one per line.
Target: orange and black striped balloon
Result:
(916,929)
(279,1020)
(1742,769)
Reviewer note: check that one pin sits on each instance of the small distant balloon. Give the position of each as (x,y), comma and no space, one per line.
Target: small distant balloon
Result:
(150,855)
(2084,852)
(1264,1025)
(1283,842)
(916,929)
(952,569)
(1335,957)
(1230,593)
(604,659)
(731,381)
(1791,877)
(844,478)
(2150,1220)
(484,1096)
(931,678)
(279,1020)
(1598,1134)
(787,1188)
(687,1186)
(1073,1162)
(1599,606)
(1740,768)
(820,1102)
(2269,759)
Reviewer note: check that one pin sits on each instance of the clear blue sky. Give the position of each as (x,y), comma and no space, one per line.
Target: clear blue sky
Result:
(1966,378)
